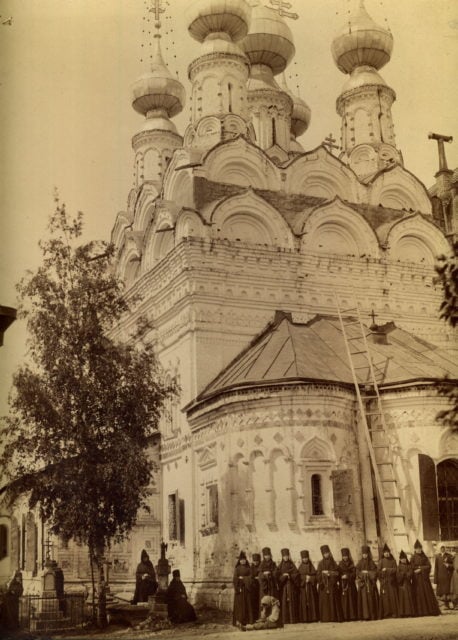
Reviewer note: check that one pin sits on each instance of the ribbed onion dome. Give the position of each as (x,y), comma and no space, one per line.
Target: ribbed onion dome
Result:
(218,16)
(158,89)
(269,40)
(301,113)
(300,117)
(363,76)
(361,42)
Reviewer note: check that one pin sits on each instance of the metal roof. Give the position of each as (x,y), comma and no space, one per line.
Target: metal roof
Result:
(287,351)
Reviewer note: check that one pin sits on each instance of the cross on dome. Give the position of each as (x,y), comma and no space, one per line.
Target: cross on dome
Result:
(281,7)
(156,6)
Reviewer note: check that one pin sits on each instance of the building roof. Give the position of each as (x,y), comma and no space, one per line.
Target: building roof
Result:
(315,351)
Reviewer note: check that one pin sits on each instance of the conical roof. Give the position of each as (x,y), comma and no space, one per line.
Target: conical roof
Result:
(158,89)
(361,42)
(315,351)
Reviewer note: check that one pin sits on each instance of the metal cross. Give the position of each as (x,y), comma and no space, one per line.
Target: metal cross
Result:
(329,143)
(281,6)
(373,316)
(48,546)
(156,6)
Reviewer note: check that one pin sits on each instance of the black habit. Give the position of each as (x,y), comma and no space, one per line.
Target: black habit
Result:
(308,595)
(329,591)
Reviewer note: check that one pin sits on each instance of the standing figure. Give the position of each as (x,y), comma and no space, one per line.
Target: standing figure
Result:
(349,597)
(454,581)
(267,575)
(145,579)
(9,616)
(255,588)
(443,571)
(308,595)
(328,587)
(287,580)
(270,615)
(424,598)
(404,580)
(242,613)
(366,581)
(178,608)
(386,571)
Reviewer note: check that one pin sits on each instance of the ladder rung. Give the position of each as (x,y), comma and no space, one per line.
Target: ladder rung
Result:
(350,309)
(357,353)
(388,480)
(374,413)
(355,338)
(380,446)
(392,498)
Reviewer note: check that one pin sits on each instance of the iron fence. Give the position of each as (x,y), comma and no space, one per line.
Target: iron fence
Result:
(49,613)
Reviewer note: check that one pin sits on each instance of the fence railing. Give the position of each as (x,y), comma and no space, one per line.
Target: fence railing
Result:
(49,613)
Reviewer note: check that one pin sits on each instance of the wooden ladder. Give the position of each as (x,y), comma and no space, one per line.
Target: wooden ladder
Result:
(374,427)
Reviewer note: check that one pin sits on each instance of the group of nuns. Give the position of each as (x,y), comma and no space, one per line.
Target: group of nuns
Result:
(334,591)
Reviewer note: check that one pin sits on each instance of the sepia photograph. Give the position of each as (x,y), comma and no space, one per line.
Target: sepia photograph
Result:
(228,310)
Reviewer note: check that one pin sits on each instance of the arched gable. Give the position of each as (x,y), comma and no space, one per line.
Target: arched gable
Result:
(178,187)
(416,239)
(144,208)
(239,162)
(128,264)
(318,173)
(318,450)
(336,228)
(397,188)
(160,239)
(123,221)
(248,218)
(190,224)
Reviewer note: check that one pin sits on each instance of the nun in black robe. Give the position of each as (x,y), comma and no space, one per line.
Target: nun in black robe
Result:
(145,579)
(328,588)
(366,582)
(255,588)
(389,599)
(404,580)
(242,612)
(423,594)
(288,583)
(308,595)
(347,572)
(267,575)
(178,607)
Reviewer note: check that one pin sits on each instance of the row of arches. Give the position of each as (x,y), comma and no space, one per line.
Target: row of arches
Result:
(246,219)
(316,173)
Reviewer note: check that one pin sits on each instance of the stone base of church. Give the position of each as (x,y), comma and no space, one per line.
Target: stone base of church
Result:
(218,595)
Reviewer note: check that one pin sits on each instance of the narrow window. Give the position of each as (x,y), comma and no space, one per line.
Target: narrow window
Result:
(23,541)
(274,132)
(229,91)
(447,489)
(3,541)
(173,529)
(317,501)
(182,527)
(212,498)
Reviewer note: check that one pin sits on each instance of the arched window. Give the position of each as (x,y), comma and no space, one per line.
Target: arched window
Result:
(3,541)
(317,500)
(447,493)
(229,92)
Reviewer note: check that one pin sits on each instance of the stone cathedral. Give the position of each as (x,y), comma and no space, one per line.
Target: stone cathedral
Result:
(279,279)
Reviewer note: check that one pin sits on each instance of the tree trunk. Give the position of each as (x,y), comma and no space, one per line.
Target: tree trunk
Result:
(91,560)
(102,620)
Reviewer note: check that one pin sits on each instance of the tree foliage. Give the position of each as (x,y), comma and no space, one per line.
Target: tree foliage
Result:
(85,405)
(447,268)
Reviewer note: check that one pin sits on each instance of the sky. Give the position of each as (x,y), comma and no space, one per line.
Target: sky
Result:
(66,121)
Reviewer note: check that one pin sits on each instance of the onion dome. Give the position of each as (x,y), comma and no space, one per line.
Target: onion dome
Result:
(301,113)
(300,116)
(362,42)
(158,89)
(269,40)
(218,16)
(363,76)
